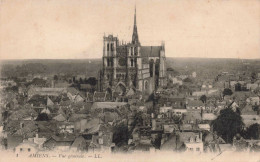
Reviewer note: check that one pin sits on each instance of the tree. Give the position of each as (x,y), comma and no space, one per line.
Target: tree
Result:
(92,81)
(227,92)
(120,134)
(253,131)
(227,124)
(203,98)
(55,77)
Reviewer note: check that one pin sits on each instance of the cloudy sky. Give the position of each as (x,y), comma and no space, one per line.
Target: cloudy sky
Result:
(74,29)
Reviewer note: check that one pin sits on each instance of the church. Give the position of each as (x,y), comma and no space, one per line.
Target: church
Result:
(131,65)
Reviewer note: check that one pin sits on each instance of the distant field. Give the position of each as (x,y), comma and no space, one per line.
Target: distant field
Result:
(90,67)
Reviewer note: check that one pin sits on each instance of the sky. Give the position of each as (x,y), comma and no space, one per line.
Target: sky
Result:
(74,29)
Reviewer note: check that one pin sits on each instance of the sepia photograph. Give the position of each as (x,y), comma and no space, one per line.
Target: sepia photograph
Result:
(130,80)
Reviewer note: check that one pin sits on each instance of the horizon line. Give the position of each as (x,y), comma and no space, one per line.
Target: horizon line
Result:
(101,58)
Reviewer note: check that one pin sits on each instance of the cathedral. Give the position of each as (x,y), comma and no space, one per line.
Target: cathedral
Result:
(131,65)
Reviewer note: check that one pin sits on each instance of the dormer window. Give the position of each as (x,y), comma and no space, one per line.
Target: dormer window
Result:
(191,139)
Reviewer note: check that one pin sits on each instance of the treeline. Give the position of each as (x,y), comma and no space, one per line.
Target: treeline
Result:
(73,67)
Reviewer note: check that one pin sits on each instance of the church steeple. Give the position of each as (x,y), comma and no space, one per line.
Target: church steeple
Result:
(135,39)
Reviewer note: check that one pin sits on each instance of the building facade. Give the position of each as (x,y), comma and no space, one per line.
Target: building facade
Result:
(130,65)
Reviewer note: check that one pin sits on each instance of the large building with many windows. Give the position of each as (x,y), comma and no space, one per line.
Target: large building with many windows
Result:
(131,65)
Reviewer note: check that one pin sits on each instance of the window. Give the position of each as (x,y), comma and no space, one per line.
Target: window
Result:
(108,62)
(100,141)
(29,150)
(108,47)
(112,46)
(132,62)
(21,149)
(135,51)
(146,85)
(131,51)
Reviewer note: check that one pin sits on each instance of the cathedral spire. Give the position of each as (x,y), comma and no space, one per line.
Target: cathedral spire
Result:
(135,39)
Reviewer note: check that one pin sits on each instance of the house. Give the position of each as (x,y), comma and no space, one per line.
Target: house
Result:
(142,147)
(172,143)
(208,117)
(250,119)
(22,90)
(251,86)
(60,118)
(39,141)
(60,84)
(199,93)
(248,110)
(99,96)
(253,100)
(106,106)
(101,138)
(66,127)
(13,141)
(170,128)
(176,80)
(195,105)
(204,127)
(193,141)
(234,106)
(74,95)
(44,91)
(165,109)
(213,143)
(89,97)
(179,112)
(60,142)
(79,144)
(26,148)
(193,117)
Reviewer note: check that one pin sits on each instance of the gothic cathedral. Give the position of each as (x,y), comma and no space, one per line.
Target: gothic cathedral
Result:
(131,65)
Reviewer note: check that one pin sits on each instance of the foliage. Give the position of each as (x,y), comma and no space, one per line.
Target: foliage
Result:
(203,98)
(253,131)
(120,134)
(13,88)
(187,80)
(228,124)
(55,77)
(227,92)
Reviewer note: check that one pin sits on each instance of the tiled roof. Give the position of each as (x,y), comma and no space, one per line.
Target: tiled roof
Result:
(208,116)
(196,103)
(59,117)
(85,86)
(100,94)
(64,138)
(150,51)
(75,117)
(72,90)
(101,105)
